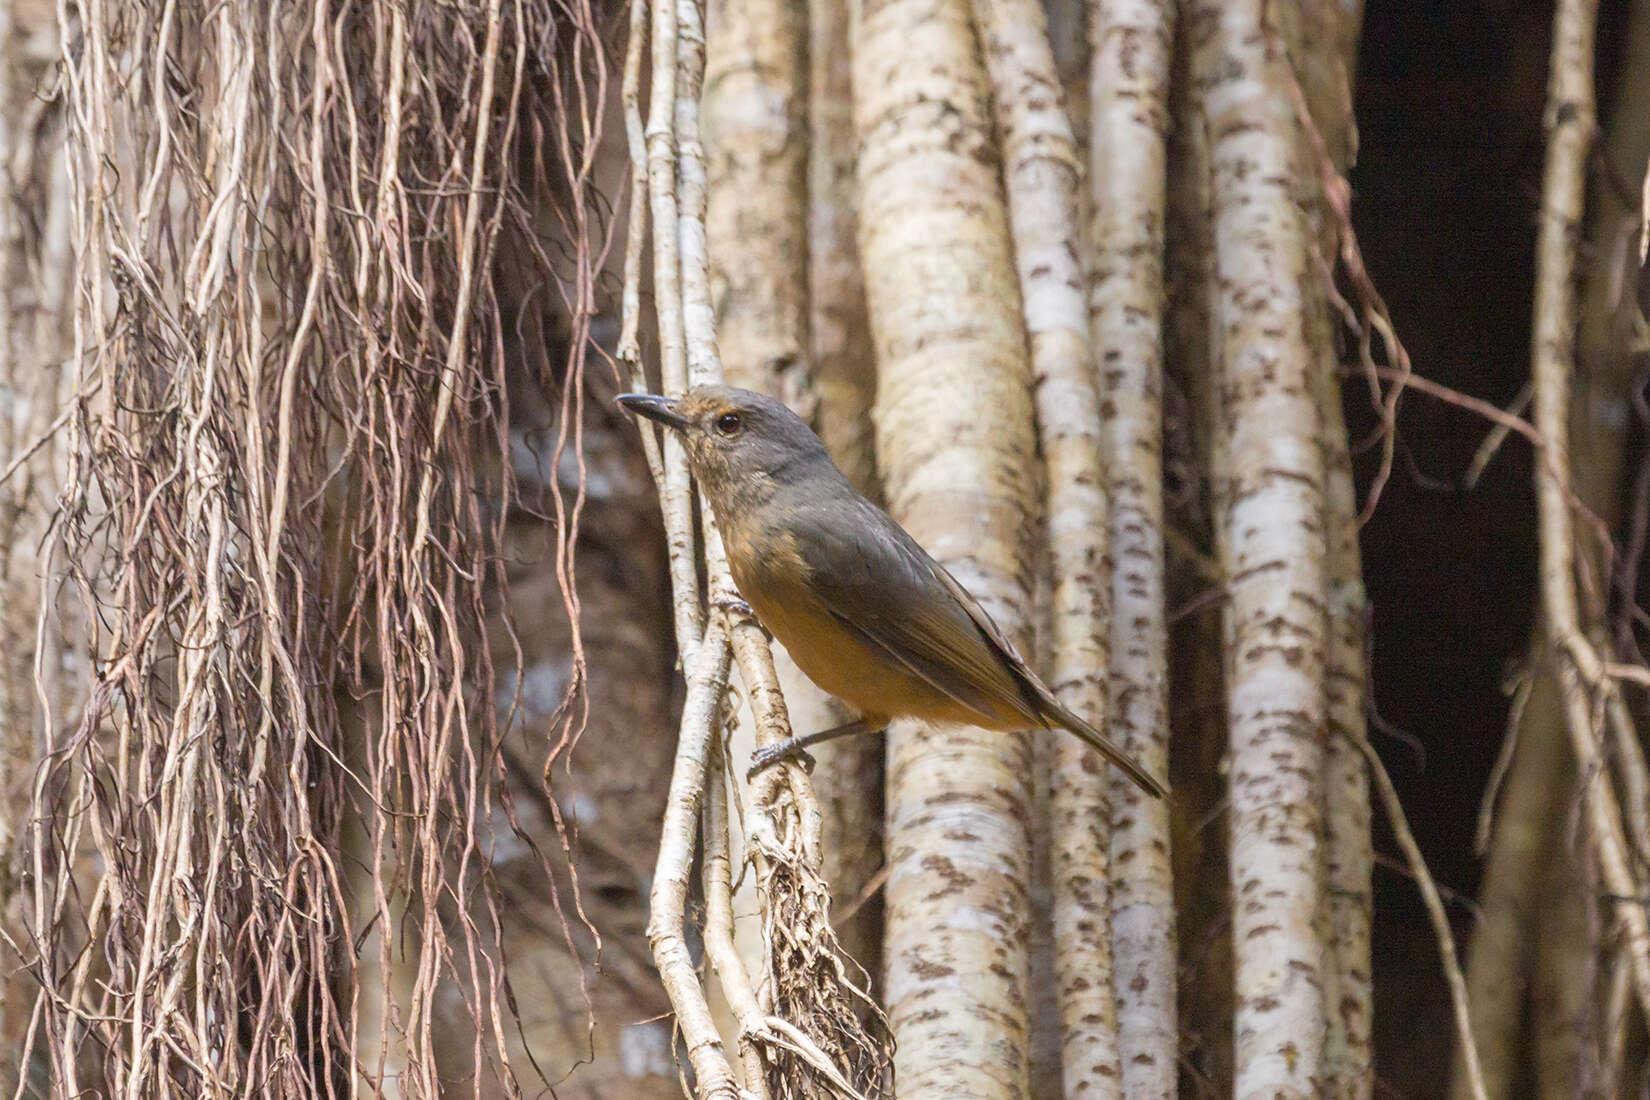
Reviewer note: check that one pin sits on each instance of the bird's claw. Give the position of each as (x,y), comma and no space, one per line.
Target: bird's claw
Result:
(769,755)
(733,605)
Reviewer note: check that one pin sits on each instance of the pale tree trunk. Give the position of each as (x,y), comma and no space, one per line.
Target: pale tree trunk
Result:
(756,149)
(1044,183)
(1319,43)
(1271,536)
(1131,43)
(954,432)
(842,359)
(763,190)
(1193,460)
(1348,859)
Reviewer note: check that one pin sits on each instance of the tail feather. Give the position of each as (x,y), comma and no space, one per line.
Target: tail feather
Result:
(1146,781)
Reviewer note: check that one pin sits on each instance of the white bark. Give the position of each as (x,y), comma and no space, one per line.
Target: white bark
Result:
(1272,546)
(839,332)
(848,780)
(1044,184)
(1130,44)
(954,434)
(707,680)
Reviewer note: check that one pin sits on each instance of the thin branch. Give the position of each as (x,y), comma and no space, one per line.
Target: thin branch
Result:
(1436,913)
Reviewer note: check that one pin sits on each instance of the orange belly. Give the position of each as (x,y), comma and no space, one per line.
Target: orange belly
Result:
(853,669)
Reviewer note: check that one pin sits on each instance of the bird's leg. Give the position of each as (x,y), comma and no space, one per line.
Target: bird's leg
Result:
(793,747)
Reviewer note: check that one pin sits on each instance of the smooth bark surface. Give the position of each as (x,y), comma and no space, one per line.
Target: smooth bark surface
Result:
(1272,544)
(954,433)
(1044,184)
(1130,42)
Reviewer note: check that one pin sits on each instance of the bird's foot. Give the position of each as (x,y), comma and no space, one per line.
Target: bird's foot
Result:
(739,611)
(777,753)
(733,605)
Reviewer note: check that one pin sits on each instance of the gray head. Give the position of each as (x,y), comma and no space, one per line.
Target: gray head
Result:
(737,442)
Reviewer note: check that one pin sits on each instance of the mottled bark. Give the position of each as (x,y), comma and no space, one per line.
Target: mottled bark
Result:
(1044,183)
(755,136)
(954,433)
(1348,856)
(1193,458)
(755,146)
(1315,42)
(1130,45)
(1272,543)
(843,362)
(756,143)
(1349,1069)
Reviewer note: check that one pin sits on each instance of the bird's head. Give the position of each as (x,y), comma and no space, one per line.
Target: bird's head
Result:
(738,443)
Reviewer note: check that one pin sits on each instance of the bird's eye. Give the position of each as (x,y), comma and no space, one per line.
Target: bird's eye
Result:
(730,423)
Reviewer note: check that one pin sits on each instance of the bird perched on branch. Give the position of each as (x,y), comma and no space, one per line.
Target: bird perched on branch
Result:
(861,608)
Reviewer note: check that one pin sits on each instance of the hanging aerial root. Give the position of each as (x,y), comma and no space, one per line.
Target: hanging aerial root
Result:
(288,477)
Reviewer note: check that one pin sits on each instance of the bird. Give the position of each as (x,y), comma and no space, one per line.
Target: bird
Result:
(864,611)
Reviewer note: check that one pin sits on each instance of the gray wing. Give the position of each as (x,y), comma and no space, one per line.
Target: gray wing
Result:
(878,582)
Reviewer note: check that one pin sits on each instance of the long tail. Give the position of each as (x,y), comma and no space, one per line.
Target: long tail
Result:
(1146,781)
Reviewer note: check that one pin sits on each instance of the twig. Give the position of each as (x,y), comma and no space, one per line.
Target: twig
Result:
(872,885)
(676,499)
(39,441)
(1337,194)
(1496,437)
(1503,763)
(1435,913)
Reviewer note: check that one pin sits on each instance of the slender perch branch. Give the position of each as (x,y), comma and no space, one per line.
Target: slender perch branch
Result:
(784,822)
(707,680)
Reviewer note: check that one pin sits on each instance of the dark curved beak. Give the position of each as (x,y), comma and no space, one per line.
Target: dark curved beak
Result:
(655,407)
